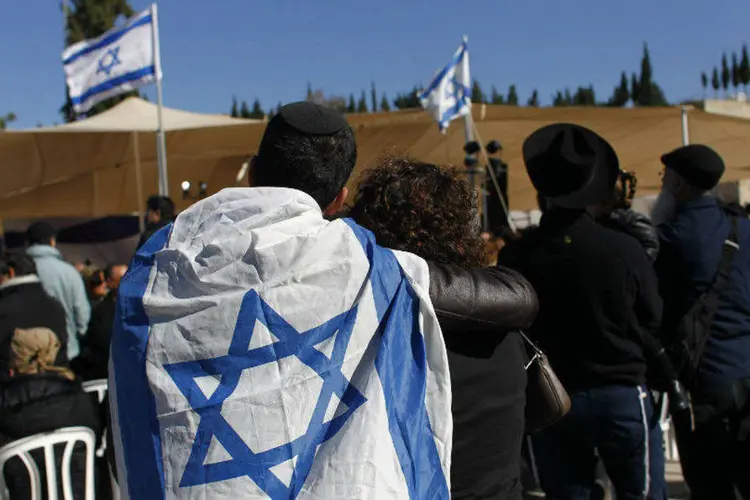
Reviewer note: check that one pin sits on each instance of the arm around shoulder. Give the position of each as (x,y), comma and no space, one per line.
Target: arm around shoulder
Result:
(486,299)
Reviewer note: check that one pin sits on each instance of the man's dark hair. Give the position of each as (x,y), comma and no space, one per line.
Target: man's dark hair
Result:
(162,204)
(40,233)
(317,164)
(19,261)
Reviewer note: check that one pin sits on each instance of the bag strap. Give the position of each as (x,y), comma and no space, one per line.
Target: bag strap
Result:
(537,353)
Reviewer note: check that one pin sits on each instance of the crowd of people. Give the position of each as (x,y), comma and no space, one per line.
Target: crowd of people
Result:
(626,308)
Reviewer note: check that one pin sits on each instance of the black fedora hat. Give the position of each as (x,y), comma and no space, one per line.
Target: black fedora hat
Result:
(571,165)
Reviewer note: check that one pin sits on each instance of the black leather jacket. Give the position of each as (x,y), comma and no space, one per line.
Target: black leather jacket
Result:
(480,312)
(638,226)
(482,300)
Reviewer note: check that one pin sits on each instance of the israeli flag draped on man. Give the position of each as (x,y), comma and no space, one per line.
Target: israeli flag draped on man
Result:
(119,61)
(261,351)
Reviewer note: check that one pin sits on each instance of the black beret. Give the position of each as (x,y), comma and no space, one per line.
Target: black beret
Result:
(309,118)
(699,165)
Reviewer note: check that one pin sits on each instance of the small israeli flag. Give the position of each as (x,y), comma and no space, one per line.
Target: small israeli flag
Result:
(260,351)
(119,61)
(449,94)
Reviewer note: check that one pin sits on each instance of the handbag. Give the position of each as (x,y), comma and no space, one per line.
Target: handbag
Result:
(547,401)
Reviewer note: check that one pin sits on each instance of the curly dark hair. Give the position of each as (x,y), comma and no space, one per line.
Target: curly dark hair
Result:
(421,208)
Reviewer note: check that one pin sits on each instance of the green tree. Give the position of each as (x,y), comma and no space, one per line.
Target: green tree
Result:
(477,96)
(725,74)
(6,119)
(352,106)
(233,112)
(407,100)
(512,95)
(257,112)
(362,104)
(715,82)
(384,105)
(88,19)
(735,71)
(244,110)
(704,83)
(496,97)
(621,94)
(309,96)
(558,100)
(584,96)
(373,97)
(745,68)
(645,82)
(534,99)
(635,89)
(568,98)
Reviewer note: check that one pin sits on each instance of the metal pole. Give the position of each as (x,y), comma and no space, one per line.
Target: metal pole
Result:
(469,136)
(161,146)
(685,131)
(138,180)
(499,192)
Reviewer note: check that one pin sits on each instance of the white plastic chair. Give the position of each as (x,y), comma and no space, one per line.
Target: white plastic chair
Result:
(100,387)
(46,441)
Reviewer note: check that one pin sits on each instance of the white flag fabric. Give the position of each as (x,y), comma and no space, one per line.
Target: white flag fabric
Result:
(260,351)
(119,61)
(449,94)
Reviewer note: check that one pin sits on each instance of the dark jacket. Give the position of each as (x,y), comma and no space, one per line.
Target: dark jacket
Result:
(30,404)
(478,312)
(25,304)
(598,296)
(638,226)
(93,361)
(689,258)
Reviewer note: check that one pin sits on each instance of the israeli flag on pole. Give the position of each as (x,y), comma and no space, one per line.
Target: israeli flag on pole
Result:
(260,351)
(449,94)
(119,61)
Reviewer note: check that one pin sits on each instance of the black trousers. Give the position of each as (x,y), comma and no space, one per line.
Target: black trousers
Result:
(715,456)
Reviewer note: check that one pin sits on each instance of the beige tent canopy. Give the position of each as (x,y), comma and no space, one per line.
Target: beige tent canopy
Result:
(73,170)
(107,164)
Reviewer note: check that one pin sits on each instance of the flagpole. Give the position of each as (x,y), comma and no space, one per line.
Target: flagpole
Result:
(161,146)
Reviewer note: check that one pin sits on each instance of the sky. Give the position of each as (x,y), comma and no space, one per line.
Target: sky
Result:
(271,49)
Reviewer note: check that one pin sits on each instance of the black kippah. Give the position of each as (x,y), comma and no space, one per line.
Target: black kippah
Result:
(311,119)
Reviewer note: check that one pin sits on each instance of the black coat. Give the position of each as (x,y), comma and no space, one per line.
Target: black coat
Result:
(478,311)
(600,308)
(25,304)
(30,404)
(93,362)
(151,228)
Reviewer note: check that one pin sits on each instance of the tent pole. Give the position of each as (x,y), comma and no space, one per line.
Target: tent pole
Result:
(488,169)
(685,131)
(138,180)
(161,146)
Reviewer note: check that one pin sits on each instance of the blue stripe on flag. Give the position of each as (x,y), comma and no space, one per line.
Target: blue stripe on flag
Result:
(108,40)
(114,82)
(136,407)
(401,364)
(439,77)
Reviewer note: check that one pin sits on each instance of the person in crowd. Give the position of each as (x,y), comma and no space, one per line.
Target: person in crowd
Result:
(96,285)
(694,230)
(93,361)
(160,211)
(41,396)
(619,215)
(428,210)
(25,304)
(61,281)
(599,313)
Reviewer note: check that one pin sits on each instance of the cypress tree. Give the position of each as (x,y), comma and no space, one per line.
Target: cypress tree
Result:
(373,98)
(351,107)
(735,71)
(715,82)
(512,96)
(534,99)
(745,68)
(725,74)
(362,104)
(384,105)
(704,83)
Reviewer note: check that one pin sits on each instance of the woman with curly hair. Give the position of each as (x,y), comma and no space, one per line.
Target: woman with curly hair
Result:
(429,211)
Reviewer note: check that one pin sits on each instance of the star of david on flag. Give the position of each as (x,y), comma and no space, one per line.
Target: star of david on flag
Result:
(254,318)
(109,60)
(448,96)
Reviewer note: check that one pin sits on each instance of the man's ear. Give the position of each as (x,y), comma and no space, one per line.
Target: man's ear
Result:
(336,205)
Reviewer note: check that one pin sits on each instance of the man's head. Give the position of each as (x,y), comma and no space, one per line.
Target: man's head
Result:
(41,233)
(310,148)
(689,173)
(113,274)
(16,263)
(159,208)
